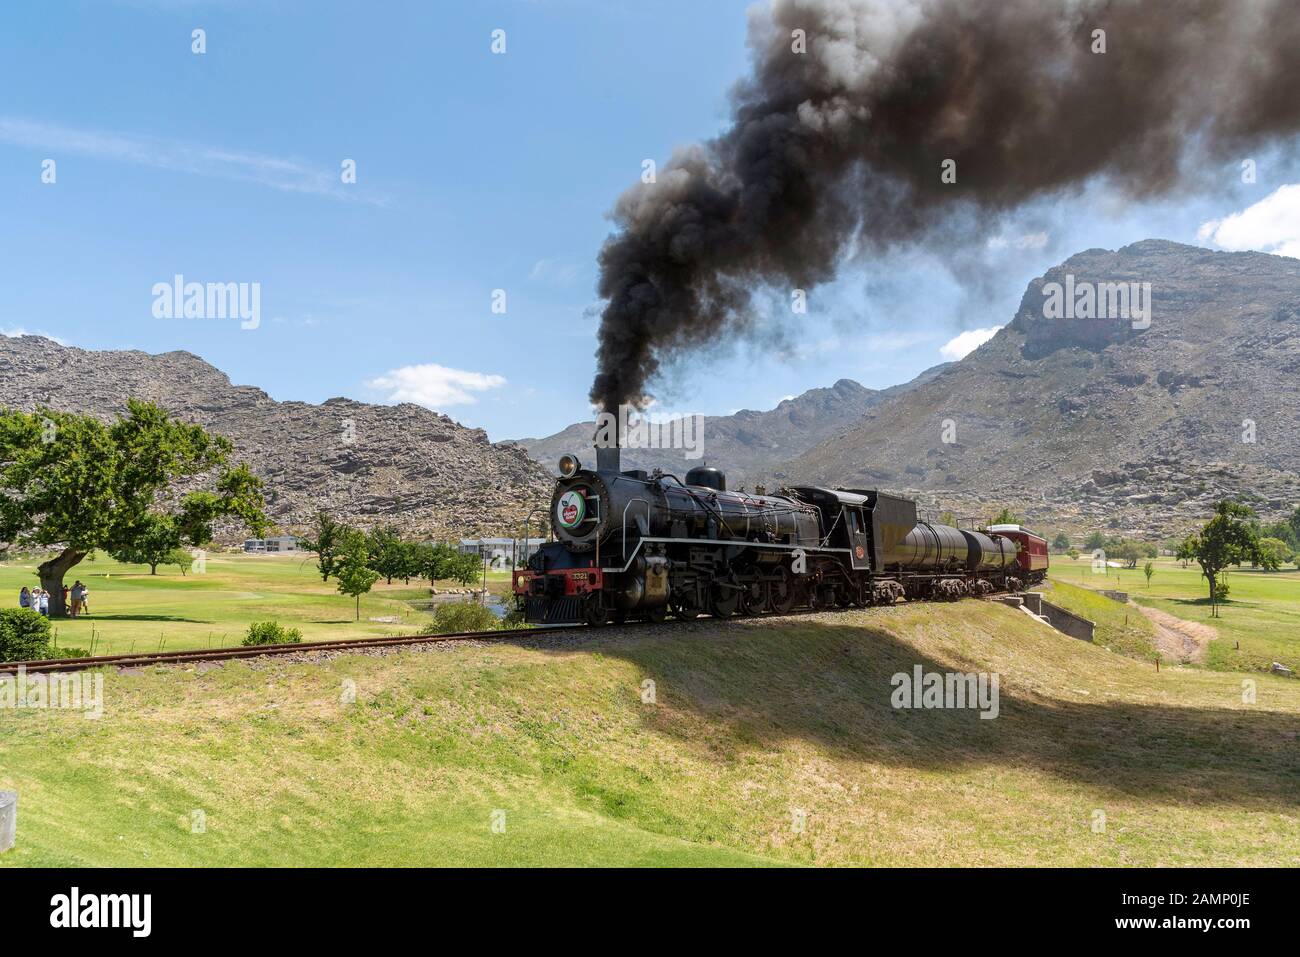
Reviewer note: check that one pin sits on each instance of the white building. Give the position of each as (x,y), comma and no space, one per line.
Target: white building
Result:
(500,551)
(281,543)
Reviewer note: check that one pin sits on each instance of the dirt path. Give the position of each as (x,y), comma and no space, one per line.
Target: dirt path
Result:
(1184,641)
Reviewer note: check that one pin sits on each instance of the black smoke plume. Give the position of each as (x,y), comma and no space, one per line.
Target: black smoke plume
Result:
(841,147)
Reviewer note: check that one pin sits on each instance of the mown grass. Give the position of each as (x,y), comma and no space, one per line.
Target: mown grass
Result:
(1258,625)
(133,610)
(754,726)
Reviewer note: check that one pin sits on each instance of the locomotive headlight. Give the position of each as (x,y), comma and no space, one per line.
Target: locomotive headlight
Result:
(569,465)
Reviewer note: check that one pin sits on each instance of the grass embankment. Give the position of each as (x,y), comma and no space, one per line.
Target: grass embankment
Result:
(1120,628)
(1259,624)
(133,610)
(756,727)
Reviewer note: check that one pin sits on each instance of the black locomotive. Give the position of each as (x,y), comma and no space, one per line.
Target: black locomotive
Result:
(632,544)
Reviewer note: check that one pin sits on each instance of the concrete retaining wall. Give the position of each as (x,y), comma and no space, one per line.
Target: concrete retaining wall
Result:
(1119,596)
(1066,621)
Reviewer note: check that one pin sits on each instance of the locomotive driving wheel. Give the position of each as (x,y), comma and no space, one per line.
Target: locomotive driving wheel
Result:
(724,601)
(780,593)
(657,614)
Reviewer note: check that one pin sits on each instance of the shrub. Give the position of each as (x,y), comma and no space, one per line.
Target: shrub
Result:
(464,616)
(271,633)
(24,635)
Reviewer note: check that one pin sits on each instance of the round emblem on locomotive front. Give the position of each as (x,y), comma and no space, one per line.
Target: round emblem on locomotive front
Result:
(571,509)
(860,552)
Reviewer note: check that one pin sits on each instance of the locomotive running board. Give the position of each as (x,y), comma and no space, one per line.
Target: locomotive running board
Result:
(767,546)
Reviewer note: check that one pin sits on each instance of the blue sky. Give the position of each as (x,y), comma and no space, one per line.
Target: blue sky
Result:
(475,172)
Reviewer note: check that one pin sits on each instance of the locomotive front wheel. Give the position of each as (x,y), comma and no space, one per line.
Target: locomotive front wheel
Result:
(657,614)
(595,612)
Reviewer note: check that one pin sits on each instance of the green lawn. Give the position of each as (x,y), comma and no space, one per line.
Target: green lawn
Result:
(133,610)
(766,742)
(1260,623)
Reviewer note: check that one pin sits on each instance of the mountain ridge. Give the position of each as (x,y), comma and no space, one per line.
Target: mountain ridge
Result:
(1090,423)
(747,443)
(362,462)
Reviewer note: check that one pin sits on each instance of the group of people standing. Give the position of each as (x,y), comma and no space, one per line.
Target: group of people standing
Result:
(75,599)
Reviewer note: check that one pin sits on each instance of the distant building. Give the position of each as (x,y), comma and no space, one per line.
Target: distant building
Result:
(281,543)
(499,551)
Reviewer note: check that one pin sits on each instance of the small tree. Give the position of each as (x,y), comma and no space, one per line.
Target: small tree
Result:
(387,552)
(325,541)
(352,571)
(434,562)
(1095,541)
(1005,517)
(1273,553)
(1148,569)
(465,568)
(1062,542)
(1073,553)
(182,558)
(1226,539)
(149,543)
(1127,552)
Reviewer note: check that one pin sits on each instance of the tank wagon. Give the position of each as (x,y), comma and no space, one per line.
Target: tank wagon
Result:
(644,545)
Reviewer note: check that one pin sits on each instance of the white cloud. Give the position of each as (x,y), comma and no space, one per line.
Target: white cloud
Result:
(1272,225)
(1026,241)
(16,331)
(139,150)
(434,386)
(962,345)
(554,271)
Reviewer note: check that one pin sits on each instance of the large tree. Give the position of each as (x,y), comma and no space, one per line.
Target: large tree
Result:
(76,483)
(1227,539)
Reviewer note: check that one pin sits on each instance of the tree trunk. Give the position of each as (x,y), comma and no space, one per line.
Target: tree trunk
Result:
(1214,604)
(358,608)
(153,568)
(51,574)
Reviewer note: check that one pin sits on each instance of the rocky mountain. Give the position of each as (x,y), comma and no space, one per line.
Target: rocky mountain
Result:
(359,461)
(747,444)
(1103,423)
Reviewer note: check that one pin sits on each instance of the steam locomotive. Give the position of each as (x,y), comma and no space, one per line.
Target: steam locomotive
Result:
(640,545)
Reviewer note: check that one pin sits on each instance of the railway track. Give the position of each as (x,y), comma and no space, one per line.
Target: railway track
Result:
(187,656)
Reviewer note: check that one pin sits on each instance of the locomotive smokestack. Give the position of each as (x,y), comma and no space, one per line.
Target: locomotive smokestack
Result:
(608,456)
(868,125)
